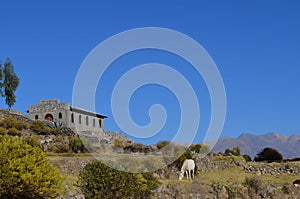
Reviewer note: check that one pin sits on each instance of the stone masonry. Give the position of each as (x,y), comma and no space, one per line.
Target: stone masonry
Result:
(72,117)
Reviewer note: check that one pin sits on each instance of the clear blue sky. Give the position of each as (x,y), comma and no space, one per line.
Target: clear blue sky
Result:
(255,45)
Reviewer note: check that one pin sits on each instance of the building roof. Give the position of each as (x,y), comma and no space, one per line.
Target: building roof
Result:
(85,112)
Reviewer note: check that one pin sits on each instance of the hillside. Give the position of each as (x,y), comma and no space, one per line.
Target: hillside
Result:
(288,146)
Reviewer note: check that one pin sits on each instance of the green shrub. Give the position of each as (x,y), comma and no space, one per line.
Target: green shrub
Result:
(60,139)
(25,172)
(39,128)
(11,122)
(137,147)
(199,148)
(8,122)
(14,132)
(62,148)
(162,144)
(76,145)
(97,180)
(268,154)
(3,131)
(247,158)
(235,151)
(118,143)
(20,125)
(33,141)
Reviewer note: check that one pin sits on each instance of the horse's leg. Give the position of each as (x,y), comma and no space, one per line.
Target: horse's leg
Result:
(187,174)
(193,174)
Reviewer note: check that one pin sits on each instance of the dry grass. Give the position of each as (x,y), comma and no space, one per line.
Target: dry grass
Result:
(236,176)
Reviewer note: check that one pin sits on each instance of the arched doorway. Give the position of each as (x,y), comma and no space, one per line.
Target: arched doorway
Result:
(49,117)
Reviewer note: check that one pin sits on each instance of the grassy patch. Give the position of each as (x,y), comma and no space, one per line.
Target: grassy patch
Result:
(236,176)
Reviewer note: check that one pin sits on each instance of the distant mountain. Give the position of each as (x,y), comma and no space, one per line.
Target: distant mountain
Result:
(288,146)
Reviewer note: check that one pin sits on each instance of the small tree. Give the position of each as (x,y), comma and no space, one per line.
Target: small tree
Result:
(247,158)
(268,154)
(235,151)
(10,83)
(199,148)
(25,172)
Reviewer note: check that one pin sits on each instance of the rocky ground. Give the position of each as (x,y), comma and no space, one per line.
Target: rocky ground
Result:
(259,186)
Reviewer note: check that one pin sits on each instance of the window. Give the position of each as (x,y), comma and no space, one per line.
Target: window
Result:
(79,119)
(87,120)
(100,123)
(59,115)
(94,123)
(72,117)
(36,117)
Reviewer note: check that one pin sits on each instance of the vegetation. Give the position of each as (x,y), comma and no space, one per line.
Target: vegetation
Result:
(76,145)
(14,132)
(25,172)
(57,128)
(34,142)
(235,151)
(199,148)
(97,180)
(162,144)
(39,127)
(3,131)
(254,184)
(10,122)
(268,154)
(9,82)
(247,158)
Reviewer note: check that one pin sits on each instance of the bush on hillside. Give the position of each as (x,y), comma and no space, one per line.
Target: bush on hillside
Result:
(253,183)
(33,141)
(97,180)
(61,148)
(76,145)
(40,128)
(3,131)
(162,144)
(14,132)
(247,158)
(268,154)
(235,151)
(25,172)
(199,148)
(10,122)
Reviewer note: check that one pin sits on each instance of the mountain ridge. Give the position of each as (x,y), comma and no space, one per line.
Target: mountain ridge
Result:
(250,144)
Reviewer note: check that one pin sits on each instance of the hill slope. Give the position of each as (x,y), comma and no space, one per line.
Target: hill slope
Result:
(288,146)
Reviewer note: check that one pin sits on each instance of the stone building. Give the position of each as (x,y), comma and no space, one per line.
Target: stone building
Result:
(72,117)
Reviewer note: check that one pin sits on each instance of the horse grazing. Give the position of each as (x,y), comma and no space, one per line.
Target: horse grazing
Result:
(188,167)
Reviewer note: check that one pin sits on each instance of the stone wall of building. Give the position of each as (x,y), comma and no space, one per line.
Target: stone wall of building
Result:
(62,112)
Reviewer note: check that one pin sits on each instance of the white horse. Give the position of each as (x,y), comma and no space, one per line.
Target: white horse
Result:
(188,167)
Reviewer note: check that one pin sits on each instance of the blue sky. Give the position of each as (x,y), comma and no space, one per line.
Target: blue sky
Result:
(255,45)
